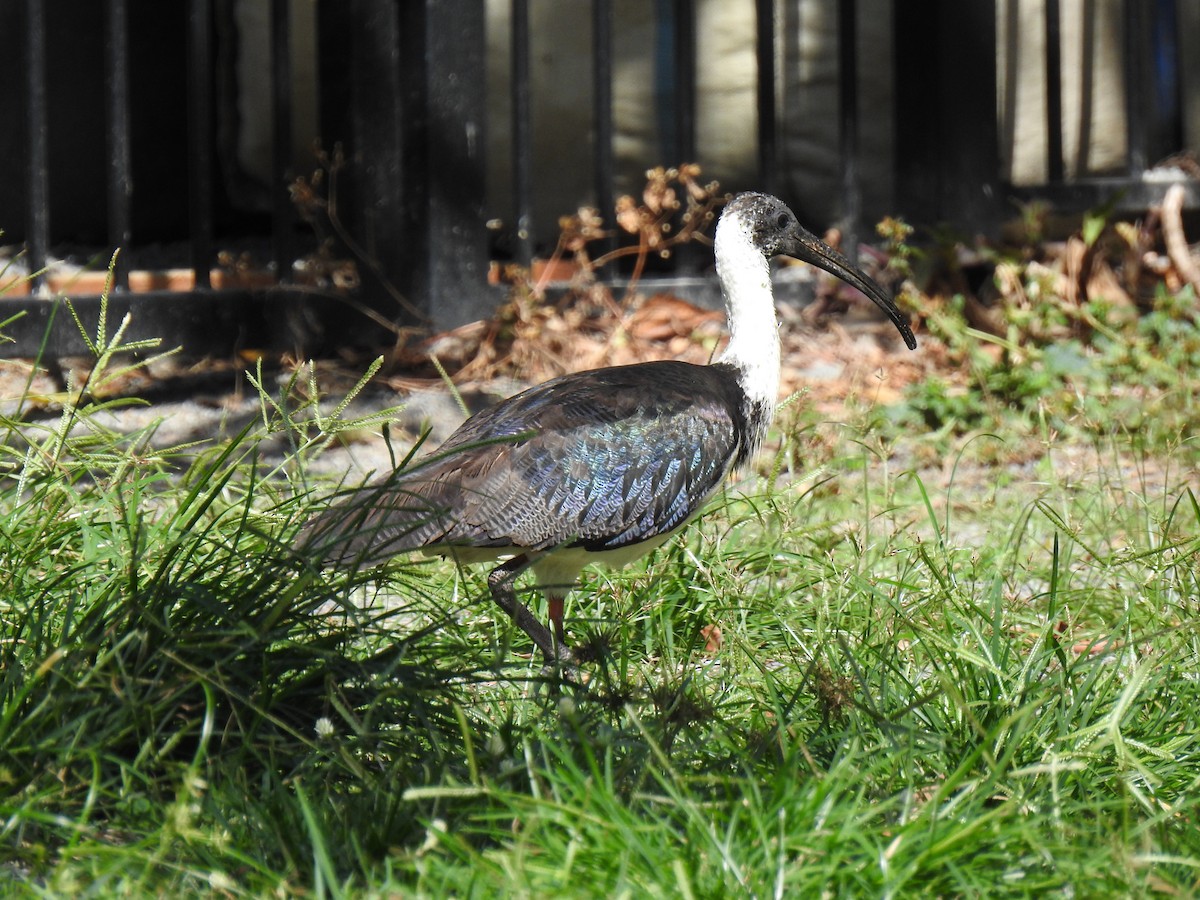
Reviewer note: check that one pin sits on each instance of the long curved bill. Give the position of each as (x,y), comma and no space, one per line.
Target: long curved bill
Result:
(808,247)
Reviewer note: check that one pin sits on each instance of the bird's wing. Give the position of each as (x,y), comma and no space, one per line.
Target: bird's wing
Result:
(595,460)
(605,463)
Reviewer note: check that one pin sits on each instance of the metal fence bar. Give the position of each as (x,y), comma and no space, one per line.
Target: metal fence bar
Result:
(365,59)
(683,46)
(1054,134)
(453,164)
(522,131)
(1135,85)
(37,237)
(1163,55)
(200,144)
(848,124)
(947,139)
(602,108)
(681,144)
(120,179)
(768,119)
(282,212)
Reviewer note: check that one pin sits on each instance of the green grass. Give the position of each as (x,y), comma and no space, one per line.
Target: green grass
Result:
(943,680)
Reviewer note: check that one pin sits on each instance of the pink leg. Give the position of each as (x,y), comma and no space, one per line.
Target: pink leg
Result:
(556,603)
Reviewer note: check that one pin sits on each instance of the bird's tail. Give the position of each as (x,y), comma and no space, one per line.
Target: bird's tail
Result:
(371,524)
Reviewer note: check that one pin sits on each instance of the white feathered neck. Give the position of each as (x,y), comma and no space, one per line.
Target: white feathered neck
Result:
(745,276)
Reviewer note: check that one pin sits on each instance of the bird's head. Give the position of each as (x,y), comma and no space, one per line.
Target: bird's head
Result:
(774,230)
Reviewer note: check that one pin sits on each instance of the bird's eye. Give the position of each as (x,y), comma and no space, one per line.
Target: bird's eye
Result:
(781,221)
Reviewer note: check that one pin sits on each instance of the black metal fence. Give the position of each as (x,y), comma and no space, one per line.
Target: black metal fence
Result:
(121,132)
(1153,99)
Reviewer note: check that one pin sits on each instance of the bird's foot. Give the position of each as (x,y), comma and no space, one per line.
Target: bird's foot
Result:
(563,669)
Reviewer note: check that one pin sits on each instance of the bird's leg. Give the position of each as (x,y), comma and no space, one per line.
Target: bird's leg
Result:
(556,601)
(500,582)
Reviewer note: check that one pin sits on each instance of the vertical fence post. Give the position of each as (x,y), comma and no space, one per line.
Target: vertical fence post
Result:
(1054,128)
(200,143)
(522,132)
(452,163)
(947,147)
(1166,79)
(766,25)
(1136,121)
(364,101)
(848,125)
(37,237)
(120,181)
(680,143)
(602,113)
(281,139)
(683,45)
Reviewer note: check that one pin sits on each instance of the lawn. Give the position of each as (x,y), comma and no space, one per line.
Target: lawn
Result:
(948,645)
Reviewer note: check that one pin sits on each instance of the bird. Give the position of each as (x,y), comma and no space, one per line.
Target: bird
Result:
(600,466)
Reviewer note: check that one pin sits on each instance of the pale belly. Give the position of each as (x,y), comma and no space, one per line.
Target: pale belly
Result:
(557,570)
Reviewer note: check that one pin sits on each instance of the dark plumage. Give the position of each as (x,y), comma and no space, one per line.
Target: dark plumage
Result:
(595,466)
(565,463)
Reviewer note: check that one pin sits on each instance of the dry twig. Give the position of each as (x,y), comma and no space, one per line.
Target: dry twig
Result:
(1176,240)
